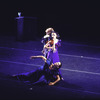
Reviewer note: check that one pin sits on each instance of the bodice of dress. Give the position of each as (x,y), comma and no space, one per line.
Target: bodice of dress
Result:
(57,44)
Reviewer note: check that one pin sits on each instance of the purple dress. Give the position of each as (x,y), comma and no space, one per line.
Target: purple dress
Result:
(53,55)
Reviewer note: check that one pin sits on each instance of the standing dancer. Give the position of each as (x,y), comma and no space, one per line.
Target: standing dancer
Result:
(45,39)
(52,47)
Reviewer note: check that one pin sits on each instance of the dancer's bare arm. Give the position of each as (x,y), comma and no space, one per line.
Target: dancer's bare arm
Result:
(58,79)
(47,45)
(40,56)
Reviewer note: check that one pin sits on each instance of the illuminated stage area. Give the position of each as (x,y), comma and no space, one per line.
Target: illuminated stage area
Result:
(23,24)
(80,70)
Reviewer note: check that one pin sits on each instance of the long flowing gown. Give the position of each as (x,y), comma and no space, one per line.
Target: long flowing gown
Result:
(42,74)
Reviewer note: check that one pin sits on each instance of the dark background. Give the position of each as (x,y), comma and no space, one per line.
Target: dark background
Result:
(73,20)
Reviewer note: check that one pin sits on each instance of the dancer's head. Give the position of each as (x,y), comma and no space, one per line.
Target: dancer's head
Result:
(54,35)
(49,31)
(56,65)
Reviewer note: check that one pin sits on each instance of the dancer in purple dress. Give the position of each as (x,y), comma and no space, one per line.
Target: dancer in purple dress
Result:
(52,47)
(47,74)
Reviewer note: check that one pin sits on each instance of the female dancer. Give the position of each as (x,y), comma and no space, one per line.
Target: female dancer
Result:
(45,39)
(47,74)
(52,47)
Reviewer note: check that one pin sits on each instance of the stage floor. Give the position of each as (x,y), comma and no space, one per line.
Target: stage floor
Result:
(80,70)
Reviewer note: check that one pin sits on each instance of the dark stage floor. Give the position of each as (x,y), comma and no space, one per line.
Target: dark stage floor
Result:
(81,71)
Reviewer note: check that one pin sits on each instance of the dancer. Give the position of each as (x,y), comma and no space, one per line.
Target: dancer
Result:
(52,47)
(45,39)
(47,74)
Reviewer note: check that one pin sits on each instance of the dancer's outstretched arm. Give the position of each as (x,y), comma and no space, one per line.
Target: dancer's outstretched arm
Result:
(58,79)
(40,56)
(47,45)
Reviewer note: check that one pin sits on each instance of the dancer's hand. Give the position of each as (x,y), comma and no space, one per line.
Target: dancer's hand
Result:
(51,83)
(32,57)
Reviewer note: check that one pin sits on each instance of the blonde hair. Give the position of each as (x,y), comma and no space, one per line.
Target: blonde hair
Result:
(49,30)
